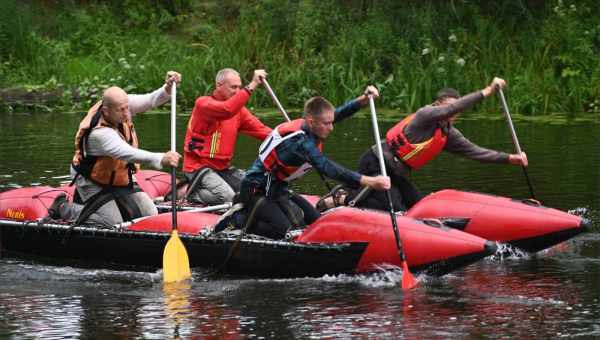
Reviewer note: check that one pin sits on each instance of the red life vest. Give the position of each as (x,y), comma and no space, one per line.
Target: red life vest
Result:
(268,153)
(418,154)
(103,170)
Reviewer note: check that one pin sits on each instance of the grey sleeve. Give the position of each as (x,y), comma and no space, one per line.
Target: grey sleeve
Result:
(459,144)
(139,103)
(430,114)
(107,142)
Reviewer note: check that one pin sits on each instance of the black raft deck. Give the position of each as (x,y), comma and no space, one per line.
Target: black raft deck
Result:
(253,256)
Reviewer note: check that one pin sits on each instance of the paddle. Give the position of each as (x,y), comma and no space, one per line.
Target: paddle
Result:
(515,140)
(408,281)
(277,103)
(166,207)
(176,264)
(287,118)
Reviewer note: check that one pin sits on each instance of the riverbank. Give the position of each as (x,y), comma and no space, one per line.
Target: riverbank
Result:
(40,101)
(546,50)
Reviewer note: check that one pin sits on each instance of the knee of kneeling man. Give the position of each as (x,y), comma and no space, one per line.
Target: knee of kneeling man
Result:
(228,195)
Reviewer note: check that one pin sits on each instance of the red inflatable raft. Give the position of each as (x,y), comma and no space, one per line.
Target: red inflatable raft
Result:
(524,224)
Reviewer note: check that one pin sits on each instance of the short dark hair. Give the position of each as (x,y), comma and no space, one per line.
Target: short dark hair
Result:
(316,106)
(447,92)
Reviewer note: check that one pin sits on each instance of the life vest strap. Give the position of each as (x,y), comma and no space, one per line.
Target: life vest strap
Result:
(196,180)
(122,197)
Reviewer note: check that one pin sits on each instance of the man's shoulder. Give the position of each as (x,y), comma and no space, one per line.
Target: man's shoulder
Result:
(425,109)
(203,99)
(296,140)
(424,115)
(201,104)
(305,141)
(102,132)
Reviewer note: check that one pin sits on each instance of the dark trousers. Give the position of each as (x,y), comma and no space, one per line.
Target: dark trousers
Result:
(404,193)
(274,217)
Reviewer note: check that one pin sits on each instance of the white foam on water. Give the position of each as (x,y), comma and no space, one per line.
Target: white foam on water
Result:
(37,271)
(587,213)
(506,251)
(385,277)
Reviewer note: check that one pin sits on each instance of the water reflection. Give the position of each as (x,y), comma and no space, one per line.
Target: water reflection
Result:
(552,294)
(484,300)
(177,302)
(42,316)
(193,315)
(555,296)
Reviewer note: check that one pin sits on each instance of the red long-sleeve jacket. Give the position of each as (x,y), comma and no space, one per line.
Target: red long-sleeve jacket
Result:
(213,128)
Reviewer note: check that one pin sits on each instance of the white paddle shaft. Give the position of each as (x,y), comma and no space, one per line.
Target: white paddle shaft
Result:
(511,127)
(377,138)
(277,103)
(173,109)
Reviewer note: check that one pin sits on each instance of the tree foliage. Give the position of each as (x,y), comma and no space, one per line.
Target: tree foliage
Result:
(547,50)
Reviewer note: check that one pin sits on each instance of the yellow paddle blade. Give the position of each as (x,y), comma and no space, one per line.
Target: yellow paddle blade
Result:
(176,264)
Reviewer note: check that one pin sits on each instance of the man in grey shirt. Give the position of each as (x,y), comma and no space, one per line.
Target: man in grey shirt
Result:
(106,156)
(418,139)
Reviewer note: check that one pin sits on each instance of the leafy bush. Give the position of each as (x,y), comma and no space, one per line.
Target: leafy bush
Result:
(547,50)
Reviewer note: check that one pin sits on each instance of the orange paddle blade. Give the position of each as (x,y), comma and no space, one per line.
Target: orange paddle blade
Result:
(408,280)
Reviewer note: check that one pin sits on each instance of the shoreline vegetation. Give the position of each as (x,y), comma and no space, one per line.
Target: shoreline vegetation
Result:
(60,55)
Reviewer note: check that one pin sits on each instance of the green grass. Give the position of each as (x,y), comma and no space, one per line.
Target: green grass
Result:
(547,53)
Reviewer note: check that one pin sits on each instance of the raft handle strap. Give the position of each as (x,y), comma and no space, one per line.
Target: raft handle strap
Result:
(196,181)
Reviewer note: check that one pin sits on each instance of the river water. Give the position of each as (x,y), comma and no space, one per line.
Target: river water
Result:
(555,293)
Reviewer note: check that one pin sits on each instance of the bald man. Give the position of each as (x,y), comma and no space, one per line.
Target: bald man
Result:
(107,155)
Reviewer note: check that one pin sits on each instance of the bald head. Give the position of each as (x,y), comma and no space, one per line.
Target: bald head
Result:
(115,105)
(113,95)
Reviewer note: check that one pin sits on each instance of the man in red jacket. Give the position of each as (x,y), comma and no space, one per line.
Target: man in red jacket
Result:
(211,136)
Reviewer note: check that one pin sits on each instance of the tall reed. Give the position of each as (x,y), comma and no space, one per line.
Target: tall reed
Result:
(547,51)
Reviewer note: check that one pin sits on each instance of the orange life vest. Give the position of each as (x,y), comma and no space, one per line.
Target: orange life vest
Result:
(103,170)
(268,153)
(418,154)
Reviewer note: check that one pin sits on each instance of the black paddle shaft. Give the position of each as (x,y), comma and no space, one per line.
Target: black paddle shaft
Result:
(394,225)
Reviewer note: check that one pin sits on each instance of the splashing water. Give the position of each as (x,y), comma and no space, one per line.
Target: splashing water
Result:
(506,251)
